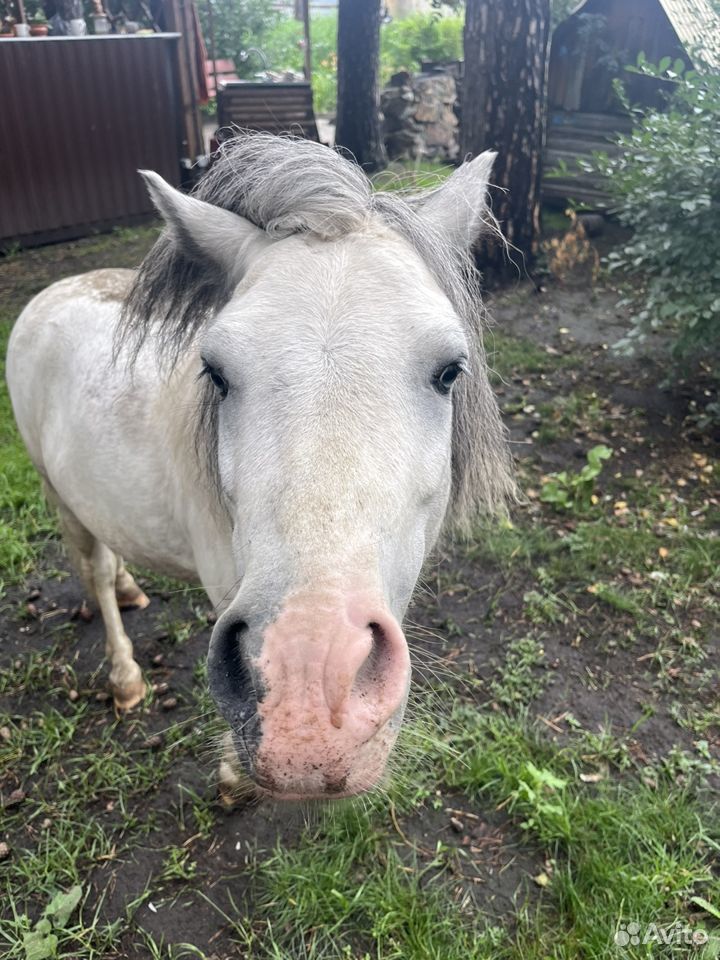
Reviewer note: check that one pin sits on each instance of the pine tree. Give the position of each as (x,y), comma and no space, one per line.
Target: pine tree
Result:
(358,109)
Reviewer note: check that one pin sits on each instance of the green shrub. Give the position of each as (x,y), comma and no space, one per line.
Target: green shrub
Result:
(575,491)
(404,44)
(665,183)
(283,48)
(237,25)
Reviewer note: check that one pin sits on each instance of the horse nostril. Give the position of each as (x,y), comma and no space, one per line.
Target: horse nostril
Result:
(231,681)
(232,658)
(371,674)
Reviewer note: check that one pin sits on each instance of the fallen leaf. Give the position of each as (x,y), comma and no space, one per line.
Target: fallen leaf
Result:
(15,798)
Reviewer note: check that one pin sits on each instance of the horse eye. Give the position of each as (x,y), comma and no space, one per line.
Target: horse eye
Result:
(219,381)
(446,377)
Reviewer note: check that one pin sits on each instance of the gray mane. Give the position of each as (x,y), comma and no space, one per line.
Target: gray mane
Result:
(287,186)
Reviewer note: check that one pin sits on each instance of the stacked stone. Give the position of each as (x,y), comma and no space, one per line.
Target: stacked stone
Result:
(420,120)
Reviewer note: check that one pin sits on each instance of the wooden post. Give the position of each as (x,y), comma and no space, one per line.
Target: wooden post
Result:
(305,4)
(358,107)
(179,19)
(213,61)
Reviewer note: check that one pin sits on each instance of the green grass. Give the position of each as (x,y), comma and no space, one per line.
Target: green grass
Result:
(354,885)
(357,897)
(597,549)
(613,852)
(412,175)
(512,355)
(520,680)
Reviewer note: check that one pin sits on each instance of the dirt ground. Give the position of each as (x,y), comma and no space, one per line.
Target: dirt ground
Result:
(598,667)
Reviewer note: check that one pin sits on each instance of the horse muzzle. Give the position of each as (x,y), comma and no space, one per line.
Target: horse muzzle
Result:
(314,698)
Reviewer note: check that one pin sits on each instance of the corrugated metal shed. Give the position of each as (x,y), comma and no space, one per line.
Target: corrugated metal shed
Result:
(80,115)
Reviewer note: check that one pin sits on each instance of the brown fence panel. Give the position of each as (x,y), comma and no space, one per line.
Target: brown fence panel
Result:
(78,117)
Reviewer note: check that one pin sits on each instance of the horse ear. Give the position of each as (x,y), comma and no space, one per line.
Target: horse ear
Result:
(202,230)
(460,204)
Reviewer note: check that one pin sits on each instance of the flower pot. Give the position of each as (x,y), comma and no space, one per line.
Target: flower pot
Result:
(22,30)
(78,28)
(101,25)
(38,29)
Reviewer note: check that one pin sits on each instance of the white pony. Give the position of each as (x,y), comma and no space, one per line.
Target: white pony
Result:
(284,403)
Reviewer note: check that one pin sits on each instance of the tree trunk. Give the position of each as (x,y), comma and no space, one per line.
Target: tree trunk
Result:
(503,109)
(358,109)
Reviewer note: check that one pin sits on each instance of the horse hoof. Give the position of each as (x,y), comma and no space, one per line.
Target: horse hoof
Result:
(234,787)
(228,798)
(228,784)
(132,599)
(129,697)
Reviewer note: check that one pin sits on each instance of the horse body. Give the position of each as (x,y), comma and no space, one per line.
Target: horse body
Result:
(110,447)
(272,412)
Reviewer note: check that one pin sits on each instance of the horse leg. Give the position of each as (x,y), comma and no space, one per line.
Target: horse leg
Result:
(100,569)
(126,680)
(128,593)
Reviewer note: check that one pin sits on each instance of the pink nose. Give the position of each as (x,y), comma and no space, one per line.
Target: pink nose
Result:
(336,670)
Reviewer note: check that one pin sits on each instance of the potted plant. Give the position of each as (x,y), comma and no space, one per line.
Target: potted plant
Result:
(7,23)
(101,21)
(39,24)
(22,27)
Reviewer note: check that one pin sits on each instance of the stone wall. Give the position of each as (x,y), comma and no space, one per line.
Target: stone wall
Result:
(420,120)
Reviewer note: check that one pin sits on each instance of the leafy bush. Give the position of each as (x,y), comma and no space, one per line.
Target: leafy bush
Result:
(560,9)
(237,25)
(282,45)
(665,183)
(404,44)
(575,491)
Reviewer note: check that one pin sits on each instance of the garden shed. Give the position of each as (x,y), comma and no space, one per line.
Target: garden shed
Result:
(82,113)
(589,50)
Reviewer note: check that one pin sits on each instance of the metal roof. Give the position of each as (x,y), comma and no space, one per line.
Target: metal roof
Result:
(698,28)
